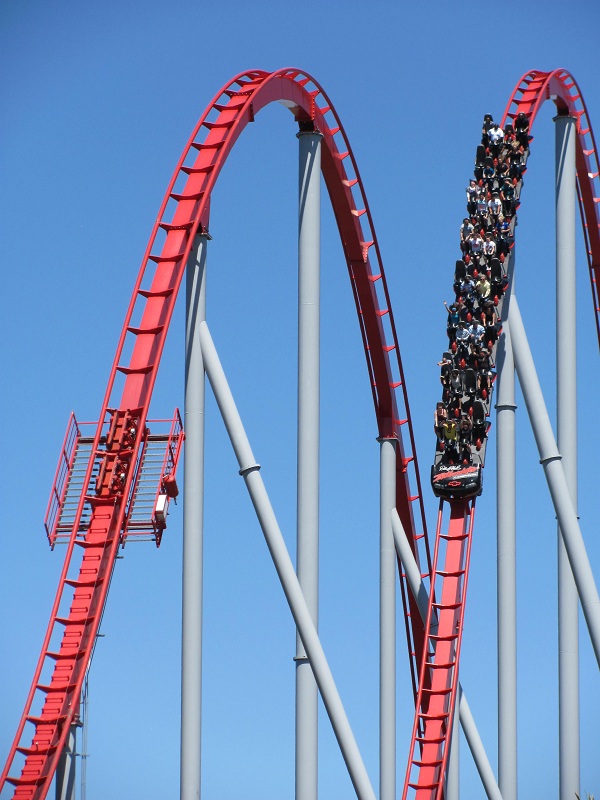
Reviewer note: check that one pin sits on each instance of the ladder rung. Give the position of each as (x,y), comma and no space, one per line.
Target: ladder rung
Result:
(438,717)
(136,370)
(449,638)
(41,750)
(47,720)
(156,293)
(449,665)
(24,781)
(163,259)
(433,740)
(423,785)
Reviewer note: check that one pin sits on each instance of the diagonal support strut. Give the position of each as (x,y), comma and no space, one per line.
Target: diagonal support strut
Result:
(250,471)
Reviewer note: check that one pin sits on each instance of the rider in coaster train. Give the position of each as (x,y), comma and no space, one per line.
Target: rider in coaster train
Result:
(473,324)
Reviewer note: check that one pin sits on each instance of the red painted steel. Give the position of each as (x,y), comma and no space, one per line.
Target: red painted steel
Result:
(151,479)
(530,93)
(438,678)
(79,602)
(439,666)
(59,486)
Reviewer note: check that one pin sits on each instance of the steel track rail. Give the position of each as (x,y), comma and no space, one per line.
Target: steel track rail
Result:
(529,95)
(438,678)
(88,566)
(438,682)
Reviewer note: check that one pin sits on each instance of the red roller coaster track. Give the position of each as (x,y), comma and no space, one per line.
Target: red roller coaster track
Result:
(90,558)
(65,655)
(438,678)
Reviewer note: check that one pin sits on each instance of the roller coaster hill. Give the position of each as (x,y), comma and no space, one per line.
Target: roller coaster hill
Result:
(117,476)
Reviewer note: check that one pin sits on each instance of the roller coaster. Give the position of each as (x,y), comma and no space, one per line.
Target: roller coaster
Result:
(116,476)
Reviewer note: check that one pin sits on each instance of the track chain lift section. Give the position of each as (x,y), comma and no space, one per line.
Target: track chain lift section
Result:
(154,477)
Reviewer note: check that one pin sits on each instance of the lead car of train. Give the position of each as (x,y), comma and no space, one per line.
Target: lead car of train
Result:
(457,480)
(475,317)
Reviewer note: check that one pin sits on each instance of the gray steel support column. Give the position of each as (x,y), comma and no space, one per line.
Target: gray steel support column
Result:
(387,622)
(417,587)
(506,568)
(550,458)
(307,554)
(566,430)
(249,470)
(65,772)
(193,510)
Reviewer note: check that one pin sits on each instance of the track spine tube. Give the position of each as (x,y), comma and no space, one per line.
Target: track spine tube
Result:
(467,722)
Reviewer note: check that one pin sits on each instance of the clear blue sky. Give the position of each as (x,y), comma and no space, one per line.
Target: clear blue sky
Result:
(98,100)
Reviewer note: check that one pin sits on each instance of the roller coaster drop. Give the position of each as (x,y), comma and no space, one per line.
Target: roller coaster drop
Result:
(95,503)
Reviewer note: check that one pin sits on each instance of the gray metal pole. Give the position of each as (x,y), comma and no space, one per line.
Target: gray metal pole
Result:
(307,553)
(566,380)
(550,458)
(193,508)
(506,563)
(417,587)
(249,470)
(387,623)
(65,772)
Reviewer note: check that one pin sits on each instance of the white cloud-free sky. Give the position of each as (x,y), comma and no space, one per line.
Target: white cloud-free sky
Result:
(97,103)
